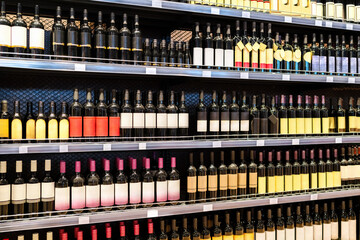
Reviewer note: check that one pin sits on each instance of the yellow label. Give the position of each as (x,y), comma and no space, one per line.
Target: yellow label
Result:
(300,126)
(277,55)
(219,3)
(240,4)
(227,3)
(246,55)
(30,129)
(232,181)
(4,128)
(238,55)
(271,184)
(331,122)
(228,237)
(64,128)
(322,179)
(325,125)
(337,178)
(254,57)
(316,125)
(297,56)
(296,182)
(341,123)
(253,5)
(216,238)
(261,185)
(248,47)
(223,181)
(240,45)
(307,57)
(269,56)
(212,183)
(262,57)
(246,3)
(16,129)
(249,236)
(358,118)
(283,126)
(352,124)
(53,129)
(308,125)
(40,129)
(256,46)
(304,181)
(262,47)
(279,183)
(212,2)
(242,180)
(282,53)
(314,181)
(329,179)
(292,125)
(239,237)
(288,56)
(288,183)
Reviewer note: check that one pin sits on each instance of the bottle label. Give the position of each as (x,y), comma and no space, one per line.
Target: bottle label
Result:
(309,232)
(214,125)
(300,126)
(234,123)
(271,184)
(331,64)
(288,56)
(161,120)
(317,231)
(332,123)
(213,238)
(40,129)
(219,57)
(288,183)
(5,38)
(253,179)
(53,129)
(280,234)
(174,190)
(279,181)
(92,195)
(113,41)
(62,198)
(139,120)
(150,120)
(77,197)
(353,65)
(341,124)
(197,56)
(121,193)
(279,54)
(323,63)
(297,56)
(18,193)
(269,58)
(330,10)
(183,120)
(261,185)
(290,234)
(212,183)
(4,194)
(75,126)
(262,59)
(202,183)
(135,193)
(231,237)
(209,57)
(32,192)
(172,120)
(161,190)
(89,126)
(37,38)
(232,181)
(30,129)
(229,58)
(329,179)
(126,120)
(322,180)
(308,57)
(201,125)
(114,126)
(242,180)
(47,191)
(315,63)
(304,181)
(314,181)
(283,126)
(64,129)
(296,181)
(260,236)
(249,236)
(270,235)
(345,227)
(85,39)
(345,65)
(225,122)
(148,192)
(238,56)
(334,230)
(308,126)
(327,231)
(246,58)
(101,126)
(107,194)
(336,178)
(352,124)
(316,125)
(191,184)
(18,36)
(244,122)
(338,64)
(125,43)
(292,125)
(4,127)
(254,59)
(325,125)
(344,172)
(223,181)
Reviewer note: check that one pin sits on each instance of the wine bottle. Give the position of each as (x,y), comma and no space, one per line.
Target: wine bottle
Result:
(148,185)
(75,118)
(216,232)
(201,115)
(147,52)
(16,123)
(300,231)
(234,115)
(64,121)
(336,170)
(40,125)
(214,115)
(345,225)
(121,184)
(92,187)
(296,173)
(350,11)
(161,116)
(101,119)
(187,56)
(315,61)
(344,168)
(304,172)
(174,234)
(107,189)
(219,48)
(125,41)
(209,48)
(4,191)
(37,35)
(351,116)
(224,115)
(114,115)
(89,116)
(352,57)
(288,173)
(150,116)
(180,54)
(296,60)
(324,114)
(264,116)
(137,47)
(270,175)
(205,233)
(332,117)
(202,178)
(163,54)
(239,46)
(283,115)
(244,116)
(85,37)
(135,185)
(334,222)
(5,39)
(30,122)
(155,53)
(113,38)
(223,177)
(292,117)
(5,120)
(321,171)
(329,170)
(322,55)
(162,235)
(19,33)
(290,228)
(183,117)
(172,116)
(280,225)
(197,49)
(288,57)
(279,54)
(249,228)
(331,68)
(317,223)
(329,9)
(100,38)
(228,230)
(326,223)
(247,48)
(357,115)
(173,182)
(78,189)
(172,53)
(308,116)
(33,190)
(338,55)
(191,179)
(350,166)
(344,57)
(300,121)
(255,45)
(161,182)
(255,117)
(213,178)
(316,116)
(252,169)
(308,229)
(72,35)
(307,56)
(53,125)
(313,171)
(126,116)
(262,48)
(261,174)
(62,190)
(341,122)
(270,226)
(279,174)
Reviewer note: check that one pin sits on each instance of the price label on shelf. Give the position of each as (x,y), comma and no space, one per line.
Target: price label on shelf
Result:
(286,77)
(215,10)
(295,141)
(349,26)
(351,80)
(152,213)
(216,144)
(23,149)
(244,75)
(207,207)
(313,197)
(142,146)
(245,14)
(80,67)
(318,23)
(150,70)
(288,19)
(157,3)
(328,24)
(84,220)
(260,143)
(63,148)
(206,74)
(338,140)
(329,79)
(107,147)
(273,201)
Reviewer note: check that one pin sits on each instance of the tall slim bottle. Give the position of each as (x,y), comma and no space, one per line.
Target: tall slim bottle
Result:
(296,54)
(262,48)
(219,48)
(197,49)
(161,183)
(78,189)
(280,225)
(213,178)
(345,57)
(288,173)
(19,32)
(202,178)
(191,179)
(121,184)
(161,116)
(341,119)
(150,116)
(5,121)
(290,225)
(329,170)
(292,116)
(307,56)
(125,47)
(331,68)
(316,117)
(279,54)
(334,222)
(85,36)
(100,38)
(270,175)
(239,46)
(289,51)
(352,57)
(135,185)
(224,115)
(107,188)
(126,116)
(317,223)
(172,116)
(249,228)
(33,190)
(112,38)
(114,115)
(72,35)
(62,190)
(89,116)
(244,116)
(5,39)
(40,125)
(223,176)
(137,47)
(148,184)
(139,116)
(63,122)
(229,49)
(101,119)
(18,191)
(322,55)
(53,125)
(183,117)
(305,176)
(279,174)
(58,34)
(326,223)
(255,117)
(247,48)
(36,34)
(283,115)
(254,41)
(214,115)
(252,169)
(209,54)
(75,118)
(309,229)
(92,187)
(261,174)
(313,171)
(232,176)
(4,191)
(308,116)
(299,223)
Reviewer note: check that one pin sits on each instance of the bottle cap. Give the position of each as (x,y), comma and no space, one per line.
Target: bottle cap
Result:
(62,166)
(173,162)
(78,166)
(161,163)
(92,165)
(106,165)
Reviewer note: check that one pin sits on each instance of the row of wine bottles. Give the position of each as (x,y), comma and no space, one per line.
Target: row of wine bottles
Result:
(101,120)
(259,52)
(319,221)
(271,178)
(310,119)
(133,187)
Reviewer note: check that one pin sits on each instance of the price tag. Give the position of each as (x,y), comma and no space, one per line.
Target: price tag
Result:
(273,201)
(157,3)
(84,220)
(286,77)
(338,140)
(351,80)
(215,10)
(245,14)
(23,149)
(349,26)
(288,19)
(142,146)
(216,144)
(260,143)
(80,67)
(150,70)
(63,148)
(295,141)
(206,74)
(207,207)
(329,79)
(328,24)
(152,213)
(244,75)
(107,147)
(318,23)
(313,197)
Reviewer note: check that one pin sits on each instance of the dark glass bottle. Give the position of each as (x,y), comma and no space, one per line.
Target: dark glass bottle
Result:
(308,221)
(296,54)
(249,228)
(205,233)
(125,41)
(239,46)
(244,116)
(100,38)
(239,229)
(161,116)
(269,50)
(5,186)
(308,116)
(336,169)
(234,115)
(155,53)
(16,123)
(139,116)
(101,119)
(19,32)
(212,178)
(332,118)
(33,190)
(183,116)
(255,117)
(288,57)
(261,174)
(114,115)
(161,182)
(164,58)
(296,173)
(202,179)
(209,48)
(180,58)
(214,115)
(40,133)
(264,116)
(172,54)
(89,116)
(201,112)
(321,171)
(187,55)
(288,173)
(216,232)
(224,115)
(270,175)
(147,52)
(279,174)
(113,38)
(283,115)
(126,116)
(334,222)
(232,176)
(344,57)
(331,68)
(280,225)
(5,120)
(279,54)
(316,117)
(306,63)
(6,35)
(219,48)
(315,60)
(198,48)
(85,37)
(252,169)
(313,171)
(150,116)
(75,118)
(291,116)
(270,225)
(185,235)
(242,175)
(47,186)
(341,117)
(137,47)
(72,35)
(304,172)
(191,179)
(37,35)
(322,55)
(195,234)
(172,116)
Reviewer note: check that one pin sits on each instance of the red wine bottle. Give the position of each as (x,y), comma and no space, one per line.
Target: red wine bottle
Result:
(33,190)
(135,185)
(139,116)
(100,38)
(58,34)
(114,116)
(113,38)
(122,231)
(161,116)
(224,115)
(4,191)
(150,116)
(126,116)
(137,47)
(234,115)
(172,116)
(183,117)
(161,182)
(37,34)
(155,52)
(214,115)
(148,185)
(191,179)
(201,114)
(18,191)
(75,118)
(5,39)
(121,185)
(107,233)
(19,32)
(62,190)
(92,187)
(78,188)
(125,41)
(85,37)
(101,119)
(72,35)
(173,182)
(89,116)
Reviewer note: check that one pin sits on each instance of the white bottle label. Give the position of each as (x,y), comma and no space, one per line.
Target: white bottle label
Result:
(343,172)
(219,57)
(235,125)
(289,234)
(5,37)
(315,63)
(121,193)
(197,56)
(313,9)
(323,63)
(32,191)
(126,120)
(353,65)
(5,193)
(345,65)
(107,194)
(92,196)
(270,235)
(214,125)
(77,197)
(317,232)
(148,192)
(201,125)
(161,120)
(300,233)
(334,230)
(259,236)
(338,64)
(345,230)
(309,232)
(229,58)
(135,193)
(280,234)
(47,191)
(18,192)
(150,120)
(173,190)
(331,64)
(327,231)
(352,229)
(161,191)
(225,125)
(18,36)
(244,125)
(37,38)
(183,120)
(139,120)
(173,120)
(209,57)
(62,198)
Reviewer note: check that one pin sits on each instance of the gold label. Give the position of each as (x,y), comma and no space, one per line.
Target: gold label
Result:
(261,185)
(212,183)
(269,56)
(248,47)
(4,128)
(352,124)
(220,3)
(40,132)
(279,182)
(246,55)
(216,238)
(304,181)
(329,179)
(232,181)
(300,126)
(30,129)
(240,45)
(288,56)
(314,181)
(256,46)
(341,124)
(307,57)
(283,126)
(191,184)
(242,180)
(202,183)
(277,55)
(254,57)
(325,125)
(337,178)
(64,128)
(238,237)
(238,54)
(292,125)
(296,180)
(331,122)
(262,47)
(249,236)
(308,125)
(288,183)
(322,180)
(53,128)
(297,56)
(271,184)
(316,125)
(223,181)
(253,180)
(231,237)
(16,129)
(262,57)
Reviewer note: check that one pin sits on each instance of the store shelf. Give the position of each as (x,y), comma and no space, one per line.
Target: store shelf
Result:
(234,13)
(153,212)
(194,143)
(107,68)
